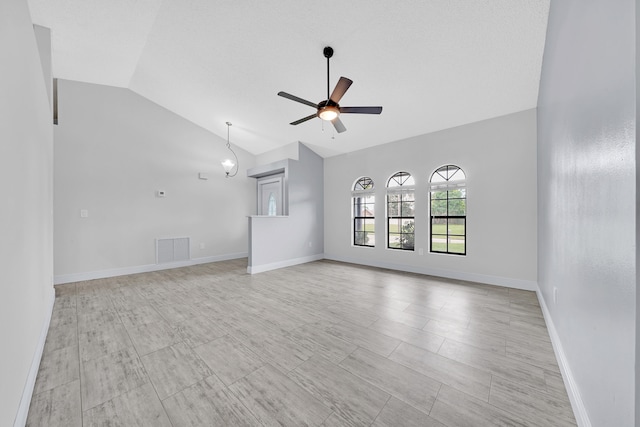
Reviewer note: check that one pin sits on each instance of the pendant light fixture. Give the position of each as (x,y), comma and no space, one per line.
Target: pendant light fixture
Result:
(228,164)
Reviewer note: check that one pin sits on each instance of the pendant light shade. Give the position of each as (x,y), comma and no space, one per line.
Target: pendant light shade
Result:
(228,164)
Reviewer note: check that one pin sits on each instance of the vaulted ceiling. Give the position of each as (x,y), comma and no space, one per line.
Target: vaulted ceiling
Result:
(432,64)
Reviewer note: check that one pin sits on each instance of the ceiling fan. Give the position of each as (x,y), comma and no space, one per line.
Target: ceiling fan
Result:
(329,109)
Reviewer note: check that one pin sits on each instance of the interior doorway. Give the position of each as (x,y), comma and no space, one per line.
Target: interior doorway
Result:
(270,195)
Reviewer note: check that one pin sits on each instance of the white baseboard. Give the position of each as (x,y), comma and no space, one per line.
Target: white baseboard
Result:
(281,264)
(579,410)
(27,393)
(526,285)
(114,272)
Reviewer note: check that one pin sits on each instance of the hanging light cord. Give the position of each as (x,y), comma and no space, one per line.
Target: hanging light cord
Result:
(234,153)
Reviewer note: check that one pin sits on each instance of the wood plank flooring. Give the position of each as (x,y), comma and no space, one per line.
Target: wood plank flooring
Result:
(323,343)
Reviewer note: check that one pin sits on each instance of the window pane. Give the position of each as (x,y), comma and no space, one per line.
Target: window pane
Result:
(408,225)
(394,241)
(394,225)
(457,244)
(456,226)
(364,184)
(454,173)
(369,224)
(409,181)
(370,238)
(363,206)
(358,238)
(408,229)
(407,196)
(400,179)
(407,209)
(393,209)
(438,243)
(439,226)
(438,207)
(436,177)
(366,209)
(272,205)
(457,207)
(369,210)
(458,193)
(438,195)
(393,197)
(358,224)
(365,239)
(446,173)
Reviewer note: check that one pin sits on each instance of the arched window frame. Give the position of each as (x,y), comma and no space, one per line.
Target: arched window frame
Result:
(363,212)
(448,211)
(401,211)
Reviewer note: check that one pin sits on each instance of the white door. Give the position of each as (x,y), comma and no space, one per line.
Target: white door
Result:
(270,195)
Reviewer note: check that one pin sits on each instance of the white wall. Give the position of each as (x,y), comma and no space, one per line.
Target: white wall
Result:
(289,151)
(113,150)
(587,198)
(499,159)
(26,170)
(299,237)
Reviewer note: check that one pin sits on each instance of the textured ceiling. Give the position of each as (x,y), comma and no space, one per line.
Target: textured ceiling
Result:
(431,64)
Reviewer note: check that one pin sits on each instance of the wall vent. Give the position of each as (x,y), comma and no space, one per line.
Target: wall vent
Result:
(173,250)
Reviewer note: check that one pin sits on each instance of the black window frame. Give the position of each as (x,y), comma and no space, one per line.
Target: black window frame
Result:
(446,218)
(362,189)
(400,179)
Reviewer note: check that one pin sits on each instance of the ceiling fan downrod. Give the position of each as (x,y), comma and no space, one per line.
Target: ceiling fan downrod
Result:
(328,53)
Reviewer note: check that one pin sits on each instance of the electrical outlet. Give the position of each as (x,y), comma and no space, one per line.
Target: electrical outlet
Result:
(555,295)
(84,213)
(310,244)
(420,251)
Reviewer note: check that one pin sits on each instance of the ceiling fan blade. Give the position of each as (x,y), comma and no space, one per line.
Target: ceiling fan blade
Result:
(304,119)
(295,98)
(340,89)
(361,110)
(337,123)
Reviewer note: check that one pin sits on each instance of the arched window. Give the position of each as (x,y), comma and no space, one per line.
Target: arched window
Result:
(400,211)
(448,199)
(364,232)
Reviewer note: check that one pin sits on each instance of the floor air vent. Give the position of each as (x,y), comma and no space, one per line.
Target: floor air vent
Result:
(172,250)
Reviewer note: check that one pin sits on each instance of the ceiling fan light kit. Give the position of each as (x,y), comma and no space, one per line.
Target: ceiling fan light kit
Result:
(328,112)
(329,109)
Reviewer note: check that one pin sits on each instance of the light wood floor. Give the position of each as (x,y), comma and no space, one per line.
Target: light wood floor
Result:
(323,343)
